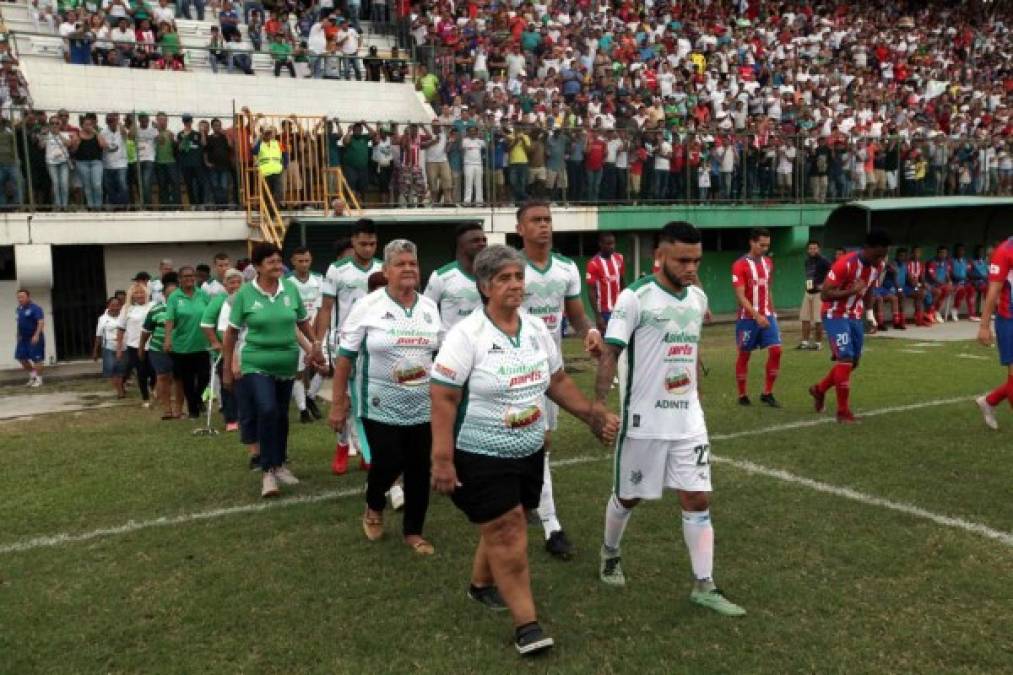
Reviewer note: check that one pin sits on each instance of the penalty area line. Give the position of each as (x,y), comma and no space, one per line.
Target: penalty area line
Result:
(743,465)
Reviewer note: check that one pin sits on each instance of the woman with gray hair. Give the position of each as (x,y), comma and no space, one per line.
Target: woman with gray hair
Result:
(390,337)
(488,449)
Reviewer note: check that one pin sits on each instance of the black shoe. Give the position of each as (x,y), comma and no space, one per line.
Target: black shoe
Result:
(530,639)
(744,400)
(558,545)
(487,596)
(769,400)
(305,417)
(254,462)
(311,405)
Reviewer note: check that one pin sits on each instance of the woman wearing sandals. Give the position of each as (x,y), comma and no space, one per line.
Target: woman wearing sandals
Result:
(488,445)
(150,350)
(390,336)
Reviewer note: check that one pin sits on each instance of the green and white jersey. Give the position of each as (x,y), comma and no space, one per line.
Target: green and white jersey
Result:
(311,291)
(547,289)
(393,349)
(209,319)
(347,283)
(455,292)
(504,378)
(267,326)
(659,332)
(154,325)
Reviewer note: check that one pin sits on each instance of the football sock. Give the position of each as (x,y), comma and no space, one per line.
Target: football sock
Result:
(547,505)
(616,517)
(828,381)
(299,394)
(998,395)
(842,384)
(742,371)
(773,367)
(699,537)
(316,382)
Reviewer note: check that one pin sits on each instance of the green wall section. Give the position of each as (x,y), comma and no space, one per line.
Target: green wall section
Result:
(716,277)
(714,216)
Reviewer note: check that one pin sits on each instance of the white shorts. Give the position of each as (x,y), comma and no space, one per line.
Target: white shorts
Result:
(551,415)
(644,467)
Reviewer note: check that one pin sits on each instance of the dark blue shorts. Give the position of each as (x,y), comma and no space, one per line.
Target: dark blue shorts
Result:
(160,362)
(1004,340)
(749,335)
(884,292)
(846,338)
(26,351)
(111,366)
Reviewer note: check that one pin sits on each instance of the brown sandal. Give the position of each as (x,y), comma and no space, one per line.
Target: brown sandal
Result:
(372,526)
(423,547)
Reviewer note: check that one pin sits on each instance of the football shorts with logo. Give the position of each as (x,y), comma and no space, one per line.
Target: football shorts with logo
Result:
(846,338)
(645,467)
(749,335)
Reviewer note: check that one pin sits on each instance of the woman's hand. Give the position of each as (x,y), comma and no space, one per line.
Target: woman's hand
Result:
(339,414)
(593,343)
(444,476)
(604,424)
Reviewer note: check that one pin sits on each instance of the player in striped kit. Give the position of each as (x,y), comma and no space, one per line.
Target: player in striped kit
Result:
(916,279)
(998,299)
(845,293)
(756,326)
(345,283)
(605,279)
(310,285)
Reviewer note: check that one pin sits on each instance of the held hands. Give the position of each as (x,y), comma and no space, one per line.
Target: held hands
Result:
(444,476)
(593,343)
(339,414)
(604,423)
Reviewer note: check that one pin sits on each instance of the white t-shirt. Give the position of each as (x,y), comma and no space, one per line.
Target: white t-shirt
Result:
(351,44)
(547,290)
(115,155)
(658,369)
(130,321)
(472,148)
(393,349)
(106,330)
(145,139)
(506,378)
(311,291)
(57,151)
(212,287)
(661,156)
(437,152)
(455,292)
(347,283)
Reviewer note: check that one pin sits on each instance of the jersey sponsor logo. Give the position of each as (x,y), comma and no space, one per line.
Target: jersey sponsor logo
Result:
(636,477)
(680,350)
(665,404)
(495,348)
(681,338)
(519,419)
(445,371)
(409,373)
(678,381)
(413,341)
(388,316)
(527,378)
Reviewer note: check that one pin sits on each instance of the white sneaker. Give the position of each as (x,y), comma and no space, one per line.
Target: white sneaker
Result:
(283,474)
(939,318)
(976,318)
(954,315)
(396,494)
(37,382)
(31,381)
(988,412)
(268,485)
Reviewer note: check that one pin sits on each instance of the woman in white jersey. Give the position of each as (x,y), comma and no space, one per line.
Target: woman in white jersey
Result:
(489,384)
(390,335)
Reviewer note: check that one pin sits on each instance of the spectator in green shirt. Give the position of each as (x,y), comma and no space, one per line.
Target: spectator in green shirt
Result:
(185,341)
(427,83)
(271,313)
(169,46)
(281,52)
(355,158)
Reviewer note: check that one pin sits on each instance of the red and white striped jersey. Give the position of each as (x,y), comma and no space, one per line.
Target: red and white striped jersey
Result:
(915,272)
(1001,269)
(755,275)
(606,275)
(845,271)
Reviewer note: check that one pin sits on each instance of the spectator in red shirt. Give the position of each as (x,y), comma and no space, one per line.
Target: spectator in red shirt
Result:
(594,163)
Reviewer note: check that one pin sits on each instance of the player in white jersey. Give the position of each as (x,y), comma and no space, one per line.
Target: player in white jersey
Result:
(552,291)
(345,283)
(310,285)
(216,284)
(453,287)
(654,333)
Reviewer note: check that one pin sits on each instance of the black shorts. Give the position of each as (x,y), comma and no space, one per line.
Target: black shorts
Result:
(492,486)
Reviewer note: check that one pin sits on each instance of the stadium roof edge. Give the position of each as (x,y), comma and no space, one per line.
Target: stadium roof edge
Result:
(909,203)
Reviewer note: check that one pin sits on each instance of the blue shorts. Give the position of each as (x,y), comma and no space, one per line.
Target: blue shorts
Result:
(1004,340)
(749,335)
(908,292)
(26,351)
(846,338)
(160,362)
(883,292)
(111,366)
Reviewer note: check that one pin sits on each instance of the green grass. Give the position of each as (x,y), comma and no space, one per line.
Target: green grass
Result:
(831,584)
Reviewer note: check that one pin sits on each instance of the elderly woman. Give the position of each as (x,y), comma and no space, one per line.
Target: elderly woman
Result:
(390,336)
(185,340)
(487,445)
(214,323)
(113,363)
(268,310)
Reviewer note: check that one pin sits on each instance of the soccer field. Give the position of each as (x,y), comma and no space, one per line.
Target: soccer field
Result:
(885,546)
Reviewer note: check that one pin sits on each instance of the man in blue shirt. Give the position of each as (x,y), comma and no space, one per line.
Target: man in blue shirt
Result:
(30,347)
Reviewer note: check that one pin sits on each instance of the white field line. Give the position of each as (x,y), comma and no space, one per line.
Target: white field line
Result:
(749,467)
